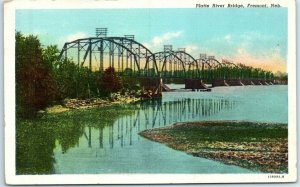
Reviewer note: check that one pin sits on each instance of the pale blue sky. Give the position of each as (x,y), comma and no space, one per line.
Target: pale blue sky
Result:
(253,34)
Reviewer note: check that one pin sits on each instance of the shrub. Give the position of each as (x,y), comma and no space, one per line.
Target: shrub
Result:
(109,82)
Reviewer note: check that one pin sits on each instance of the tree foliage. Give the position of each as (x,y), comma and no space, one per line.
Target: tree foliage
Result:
(35,85)
(74,81)
(109,82)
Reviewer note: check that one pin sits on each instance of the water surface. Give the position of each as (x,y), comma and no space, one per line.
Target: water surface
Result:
(117,148)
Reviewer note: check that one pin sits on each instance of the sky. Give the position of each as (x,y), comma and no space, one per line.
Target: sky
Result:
(256,37)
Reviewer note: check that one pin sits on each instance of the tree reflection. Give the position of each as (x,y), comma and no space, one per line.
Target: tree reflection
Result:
(113,126)
(34,149)
(36,139)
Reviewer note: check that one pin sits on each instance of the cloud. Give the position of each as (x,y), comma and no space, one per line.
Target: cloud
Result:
(192,48)
(227,38)
(251,48)
(164,39)
(195,50)
(76,36)
(253,41)
(71,37)
(160,40)
(270,59)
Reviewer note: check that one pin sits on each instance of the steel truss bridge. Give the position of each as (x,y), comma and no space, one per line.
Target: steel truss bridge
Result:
(131,58)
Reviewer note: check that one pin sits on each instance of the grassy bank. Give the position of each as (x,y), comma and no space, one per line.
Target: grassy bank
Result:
(257,146)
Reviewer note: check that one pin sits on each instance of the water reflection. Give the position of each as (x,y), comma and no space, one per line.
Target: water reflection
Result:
(154,114)
(34,149)
(89,129)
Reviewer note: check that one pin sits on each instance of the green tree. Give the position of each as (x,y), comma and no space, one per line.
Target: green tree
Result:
(65,73)
(72,81)
(87,83)
(128,71)
(109,82)
(35,86)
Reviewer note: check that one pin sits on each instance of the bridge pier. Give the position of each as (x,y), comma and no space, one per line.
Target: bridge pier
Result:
(281,82)
(257,82)
(195,84)
(151,87)
(247,82)
(219,82)
(263,82)
(271,82)
(234,82)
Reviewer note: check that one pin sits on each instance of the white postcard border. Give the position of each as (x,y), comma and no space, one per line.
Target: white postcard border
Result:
(9,101)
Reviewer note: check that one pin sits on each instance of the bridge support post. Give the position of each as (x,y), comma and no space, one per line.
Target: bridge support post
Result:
(220,82)
(90,56)
(195,84)
(101,57)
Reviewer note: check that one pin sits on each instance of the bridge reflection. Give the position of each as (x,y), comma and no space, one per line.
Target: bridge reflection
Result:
(154,114)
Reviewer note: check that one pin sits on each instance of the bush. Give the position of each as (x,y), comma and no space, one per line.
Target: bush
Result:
(75,82)
(109,82)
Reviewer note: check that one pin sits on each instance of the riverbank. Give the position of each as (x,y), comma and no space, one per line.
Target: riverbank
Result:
(257,146)
(69,104)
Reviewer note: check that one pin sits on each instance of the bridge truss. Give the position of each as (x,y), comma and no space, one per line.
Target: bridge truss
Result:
(131,58)
(176,64)
(124,54)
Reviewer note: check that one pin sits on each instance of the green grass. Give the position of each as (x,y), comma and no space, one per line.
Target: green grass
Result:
(230,131)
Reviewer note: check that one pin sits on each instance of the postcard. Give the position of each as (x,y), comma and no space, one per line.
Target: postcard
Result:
(150,91)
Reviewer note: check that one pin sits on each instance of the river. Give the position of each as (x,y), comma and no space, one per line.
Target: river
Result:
(119,149)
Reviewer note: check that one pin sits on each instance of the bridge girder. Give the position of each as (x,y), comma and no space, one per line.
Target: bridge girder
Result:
(120,52)
(174,64)
(209,68)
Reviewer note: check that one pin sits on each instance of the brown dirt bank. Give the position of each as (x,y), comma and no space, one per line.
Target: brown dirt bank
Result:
(257,146)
